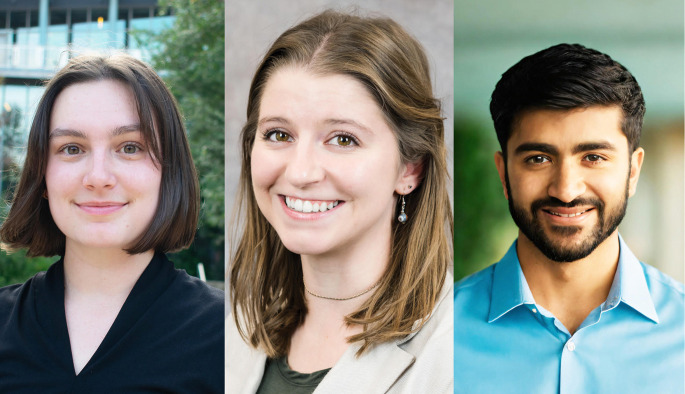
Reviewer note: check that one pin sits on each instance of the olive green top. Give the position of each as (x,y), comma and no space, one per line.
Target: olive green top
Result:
(279,378)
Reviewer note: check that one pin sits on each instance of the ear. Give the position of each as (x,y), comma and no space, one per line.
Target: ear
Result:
(410,177)
(501,169)
(635,166)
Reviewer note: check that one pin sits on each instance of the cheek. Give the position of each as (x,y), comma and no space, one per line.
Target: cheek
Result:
(527,186)
(375,174)
(265,168)
(58,179)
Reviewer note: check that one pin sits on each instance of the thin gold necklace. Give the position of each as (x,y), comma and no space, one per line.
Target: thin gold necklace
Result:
(339,299)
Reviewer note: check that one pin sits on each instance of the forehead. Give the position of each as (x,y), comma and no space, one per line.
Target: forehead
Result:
(87,104)
(295,91)
(566,129)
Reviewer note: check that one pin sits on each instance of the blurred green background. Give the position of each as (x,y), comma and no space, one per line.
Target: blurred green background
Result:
(646,37)
(182,39)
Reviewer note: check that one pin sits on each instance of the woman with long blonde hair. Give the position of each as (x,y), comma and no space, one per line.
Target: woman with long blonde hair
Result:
(339,279)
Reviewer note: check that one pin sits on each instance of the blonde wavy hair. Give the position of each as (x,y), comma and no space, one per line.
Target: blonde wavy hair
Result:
(266,288)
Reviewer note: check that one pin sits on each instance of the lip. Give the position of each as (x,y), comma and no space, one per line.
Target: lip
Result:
(100,207)
(310,215)
(561,216)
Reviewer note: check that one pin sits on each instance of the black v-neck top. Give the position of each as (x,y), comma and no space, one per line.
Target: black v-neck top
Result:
(168,337)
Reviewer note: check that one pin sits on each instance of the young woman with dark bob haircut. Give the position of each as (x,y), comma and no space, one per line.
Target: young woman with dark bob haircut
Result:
(109,185)
(339,278)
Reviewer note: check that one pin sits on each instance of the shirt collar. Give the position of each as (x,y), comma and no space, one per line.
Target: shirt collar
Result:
(630,284)
(510,288)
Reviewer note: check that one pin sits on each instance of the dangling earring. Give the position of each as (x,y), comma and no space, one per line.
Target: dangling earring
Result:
(403,216)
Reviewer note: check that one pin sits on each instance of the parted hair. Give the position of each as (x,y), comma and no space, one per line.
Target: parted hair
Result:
(29,223)
(266,285)
(567,76)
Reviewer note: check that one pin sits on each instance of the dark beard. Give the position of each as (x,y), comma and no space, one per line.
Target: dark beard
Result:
(530,225)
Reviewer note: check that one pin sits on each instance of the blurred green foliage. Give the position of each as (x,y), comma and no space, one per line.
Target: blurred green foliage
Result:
(17,268)
(482,225)
(190,58)
(14,267)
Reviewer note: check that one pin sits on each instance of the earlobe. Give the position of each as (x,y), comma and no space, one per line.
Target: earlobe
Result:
(411,177)
(501,170)
(636,160)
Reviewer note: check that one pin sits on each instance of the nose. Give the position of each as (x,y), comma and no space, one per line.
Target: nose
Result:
(99,172)
(304,165)
(568,182)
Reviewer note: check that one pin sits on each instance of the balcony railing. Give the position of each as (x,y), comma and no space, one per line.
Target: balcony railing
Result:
(26,61)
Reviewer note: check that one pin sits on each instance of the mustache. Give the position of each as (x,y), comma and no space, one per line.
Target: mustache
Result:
(552,202)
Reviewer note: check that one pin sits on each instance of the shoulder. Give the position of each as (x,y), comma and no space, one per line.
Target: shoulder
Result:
(194,298)
(475,281)
(663,288)
(431,348)
(244,364)
(474,290)
(12,295)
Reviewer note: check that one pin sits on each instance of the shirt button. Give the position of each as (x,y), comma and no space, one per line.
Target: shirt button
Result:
(535,310)
(570,346)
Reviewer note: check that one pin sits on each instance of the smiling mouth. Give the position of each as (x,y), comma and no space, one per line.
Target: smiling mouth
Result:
(567,215)
(100,208)
(310,206)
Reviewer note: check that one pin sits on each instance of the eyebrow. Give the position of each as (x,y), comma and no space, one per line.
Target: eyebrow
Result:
(60,132)
(277,119)
(599,145)
(333,122)
(347,122)
(552,150)
(537,147)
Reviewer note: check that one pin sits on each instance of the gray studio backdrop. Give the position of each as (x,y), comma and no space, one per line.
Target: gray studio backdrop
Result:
(251,27)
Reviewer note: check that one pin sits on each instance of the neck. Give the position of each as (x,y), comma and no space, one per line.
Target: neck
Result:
(569,290)
(343,275)
(106,272)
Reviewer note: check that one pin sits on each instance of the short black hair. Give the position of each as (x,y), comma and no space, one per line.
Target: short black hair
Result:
(567,76)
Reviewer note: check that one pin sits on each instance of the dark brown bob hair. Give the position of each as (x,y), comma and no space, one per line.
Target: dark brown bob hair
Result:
(29,223)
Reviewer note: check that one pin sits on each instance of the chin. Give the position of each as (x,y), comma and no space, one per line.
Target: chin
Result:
(305,248)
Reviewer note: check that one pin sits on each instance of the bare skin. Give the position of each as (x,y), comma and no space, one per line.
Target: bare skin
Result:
(569,156)
(322,339)
(94,294)
(569,290)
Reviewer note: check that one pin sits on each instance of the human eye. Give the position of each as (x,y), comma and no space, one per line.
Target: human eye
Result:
(131,148)
(277,136)
(537,159)
(71,150)
(343,139)
(594,158)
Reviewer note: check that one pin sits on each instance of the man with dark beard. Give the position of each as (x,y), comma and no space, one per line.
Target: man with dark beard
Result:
(569,308)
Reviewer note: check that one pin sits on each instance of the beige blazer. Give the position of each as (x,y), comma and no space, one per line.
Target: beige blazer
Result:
(419,363)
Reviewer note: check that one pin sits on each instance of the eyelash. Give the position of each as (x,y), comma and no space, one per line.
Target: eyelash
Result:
(353,140)
(269,135)
(139,148)
(530,159)
(65,148)
(598,159)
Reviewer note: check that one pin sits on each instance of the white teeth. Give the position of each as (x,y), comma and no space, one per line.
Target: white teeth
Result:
(307,206)
(570,215)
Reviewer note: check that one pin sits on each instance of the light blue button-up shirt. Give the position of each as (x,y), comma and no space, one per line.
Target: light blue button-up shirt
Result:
(633,343)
